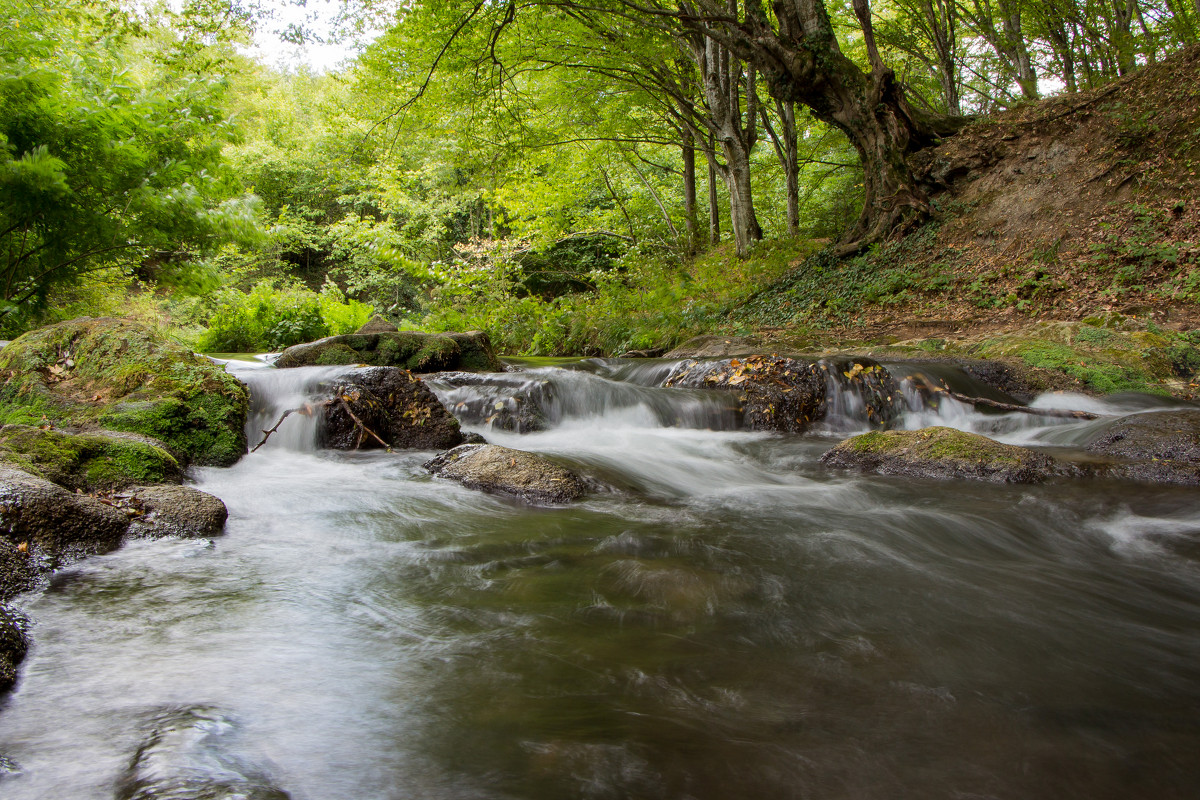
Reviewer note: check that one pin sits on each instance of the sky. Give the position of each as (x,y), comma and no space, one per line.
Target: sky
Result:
(316,15)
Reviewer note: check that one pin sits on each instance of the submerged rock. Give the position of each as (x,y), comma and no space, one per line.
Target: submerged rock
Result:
(390,403)
(1158,447)
(941,453)
(121,376)
(195,754)
(864,389)
(412,350)
(778,394)
(88,460)
(501,470)
(514,402)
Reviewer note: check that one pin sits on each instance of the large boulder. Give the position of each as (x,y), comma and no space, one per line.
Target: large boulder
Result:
(1158,447)
(411,350)
(56,523)
(777,394)
(391,404)
(195,753)
(942,453)
(88,460)
(121,376)
(515,473)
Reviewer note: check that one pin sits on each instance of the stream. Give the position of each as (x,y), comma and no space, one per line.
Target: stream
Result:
(724,618)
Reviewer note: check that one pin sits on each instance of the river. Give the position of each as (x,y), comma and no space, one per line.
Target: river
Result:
(723,618)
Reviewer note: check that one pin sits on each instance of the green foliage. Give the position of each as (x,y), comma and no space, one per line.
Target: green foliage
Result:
(643,303)
(272,316)
(108,158)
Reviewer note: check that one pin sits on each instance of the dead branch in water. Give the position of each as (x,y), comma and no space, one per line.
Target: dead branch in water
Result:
(307,410)
(362,426)
(304,409)
(983,401)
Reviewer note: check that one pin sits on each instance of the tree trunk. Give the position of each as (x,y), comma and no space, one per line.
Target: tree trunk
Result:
(722,77)
(690,218)
(1122,35)
(787,152)
(802,62)
(714,203)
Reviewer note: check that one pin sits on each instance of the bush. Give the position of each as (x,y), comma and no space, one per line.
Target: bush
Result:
(272,316)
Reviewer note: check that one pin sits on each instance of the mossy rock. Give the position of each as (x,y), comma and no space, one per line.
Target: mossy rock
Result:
(942,453)
(90,461)
(410,350)
(515,473)
(122,376)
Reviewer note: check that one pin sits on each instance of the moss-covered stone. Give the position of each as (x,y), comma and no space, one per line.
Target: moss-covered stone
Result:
(123,376)
(411,350)
(88,461)
(941,453)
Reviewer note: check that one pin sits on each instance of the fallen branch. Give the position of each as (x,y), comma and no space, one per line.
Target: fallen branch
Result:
(304,409)
(1038,412)
(361,425)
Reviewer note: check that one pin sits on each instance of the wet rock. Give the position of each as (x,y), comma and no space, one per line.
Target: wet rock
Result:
(713,347)
(60,524)
(942,453)
(377,324)
(13,644)
(411,350)
(1158,447)
(392,404)
(864,389)
(168,510)
(195,754)
(20,569)
(88,460)
(118,375)
(501,470)
(511,401)
(778,394)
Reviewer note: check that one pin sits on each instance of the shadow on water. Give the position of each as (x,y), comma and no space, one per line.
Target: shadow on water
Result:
(729,620)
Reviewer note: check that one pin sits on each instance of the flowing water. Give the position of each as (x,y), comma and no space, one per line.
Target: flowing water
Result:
(724,619)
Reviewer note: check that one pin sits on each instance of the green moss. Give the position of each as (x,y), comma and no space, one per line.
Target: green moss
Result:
(88,461)
(336,354)
(937,444)
(123,376)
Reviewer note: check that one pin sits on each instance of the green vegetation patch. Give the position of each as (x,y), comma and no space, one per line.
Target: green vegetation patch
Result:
(88,461)
(1104,359)
(123,376)
(938,444)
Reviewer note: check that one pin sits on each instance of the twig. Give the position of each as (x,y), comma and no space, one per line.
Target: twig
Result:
(305,409)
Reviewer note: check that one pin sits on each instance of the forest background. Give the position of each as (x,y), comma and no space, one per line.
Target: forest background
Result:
(573,179)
